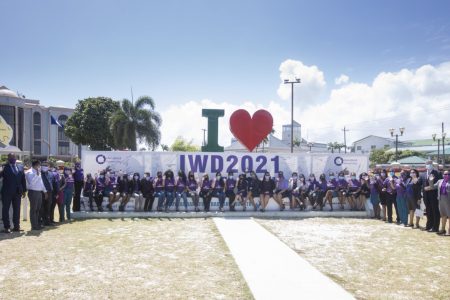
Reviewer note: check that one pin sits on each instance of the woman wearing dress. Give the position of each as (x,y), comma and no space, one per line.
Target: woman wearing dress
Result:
(443,188)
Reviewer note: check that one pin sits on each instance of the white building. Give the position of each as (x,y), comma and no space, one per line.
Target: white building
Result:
(30,126)
(372,142)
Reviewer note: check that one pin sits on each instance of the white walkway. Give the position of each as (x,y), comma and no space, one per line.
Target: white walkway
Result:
(272,269)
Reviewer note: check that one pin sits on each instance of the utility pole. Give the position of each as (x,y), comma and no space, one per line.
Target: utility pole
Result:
(204,137)
(345,138)
(287,81)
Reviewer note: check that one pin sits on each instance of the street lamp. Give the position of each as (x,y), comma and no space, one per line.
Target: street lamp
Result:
(392,131)
(310,144)
(292,82)
(434,135)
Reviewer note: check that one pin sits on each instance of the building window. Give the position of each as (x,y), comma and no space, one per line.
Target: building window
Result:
(358,148)
(373,147)
(63,140)
(9,114)
(37,133)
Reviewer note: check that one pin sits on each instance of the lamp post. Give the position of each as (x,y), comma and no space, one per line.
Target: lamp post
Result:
(310,144)
(204,137)
(292,82)
(392,131)
(434,135)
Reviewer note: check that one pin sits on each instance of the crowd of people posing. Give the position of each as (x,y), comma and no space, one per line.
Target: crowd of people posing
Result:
(410,193)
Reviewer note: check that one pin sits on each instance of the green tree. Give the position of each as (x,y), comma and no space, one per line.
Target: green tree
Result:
(88,125)
(182,145)
(138,121)
(164,147)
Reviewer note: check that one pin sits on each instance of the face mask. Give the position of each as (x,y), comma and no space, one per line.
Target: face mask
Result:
(354,177)
(377,176)
(413,174)
(294,177)
(391,174)
(331,177)
(253,176)
(218,177)
(159,176)
(38,168)
(383,175)
(44,169)
(102,176)
(446,176)
(136,177)
(230,177)
(366,178)
(266,176)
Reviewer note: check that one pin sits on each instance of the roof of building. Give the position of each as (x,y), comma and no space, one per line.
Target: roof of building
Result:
(369,136)
(296,124)
(4,91)
(412,160)
(423,142)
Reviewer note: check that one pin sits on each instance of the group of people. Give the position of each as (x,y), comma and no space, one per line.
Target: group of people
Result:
(380,192)
(47,187)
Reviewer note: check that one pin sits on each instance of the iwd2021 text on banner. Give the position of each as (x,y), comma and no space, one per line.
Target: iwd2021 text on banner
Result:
(224,162)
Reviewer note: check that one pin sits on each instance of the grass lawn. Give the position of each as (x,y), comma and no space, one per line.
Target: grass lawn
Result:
(369,258)
(120,259)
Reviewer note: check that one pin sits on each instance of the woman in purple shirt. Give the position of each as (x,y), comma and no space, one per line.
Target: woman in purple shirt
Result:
(158,184)
(354,198)
(342,188)
(205,192)
(331,189)
(169,188)
(230,185)
(181,191)
(192,186)
(389,188)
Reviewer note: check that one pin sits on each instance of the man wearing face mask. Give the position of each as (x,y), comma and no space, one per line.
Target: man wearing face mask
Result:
(14,187)
(47,179)
(430,196)
(36,189)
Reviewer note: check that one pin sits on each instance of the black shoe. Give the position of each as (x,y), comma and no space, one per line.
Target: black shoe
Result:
(6,230)
(17,229)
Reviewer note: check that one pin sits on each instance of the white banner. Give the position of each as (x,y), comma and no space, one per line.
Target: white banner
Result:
(224,162)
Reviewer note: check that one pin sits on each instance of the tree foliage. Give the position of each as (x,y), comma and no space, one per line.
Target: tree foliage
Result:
(382,156)
(138,121)
(182,145)
(88,125)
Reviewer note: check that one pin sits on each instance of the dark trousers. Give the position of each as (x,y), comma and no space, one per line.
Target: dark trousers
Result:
(390,200)
(7,201)
(53,206)
(149,199)
(231,196)
(98,200)
(397,213)
(206,197)
(35,198)
(432,207)
(221,196)
(76,197)
(44,213)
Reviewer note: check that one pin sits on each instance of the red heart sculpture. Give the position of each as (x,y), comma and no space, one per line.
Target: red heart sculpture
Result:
(250,131)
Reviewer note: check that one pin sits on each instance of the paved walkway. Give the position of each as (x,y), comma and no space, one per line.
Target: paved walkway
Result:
(272,269)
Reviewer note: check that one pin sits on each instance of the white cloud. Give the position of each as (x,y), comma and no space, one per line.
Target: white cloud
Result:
(312,81)
(343,79)
(416,99)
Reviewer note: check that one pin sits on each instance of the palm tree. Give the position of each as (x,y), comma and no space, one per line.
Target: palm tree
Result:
(265,140)
(164,147)
(136,121)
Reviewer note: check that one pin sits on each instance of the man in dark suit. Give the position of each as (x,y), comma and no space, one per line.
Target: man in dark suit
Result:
(430,198)
(14,187)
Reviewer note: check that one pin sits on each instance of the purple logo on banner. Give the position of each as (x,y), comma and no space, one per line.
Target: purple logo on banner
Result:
(100,159)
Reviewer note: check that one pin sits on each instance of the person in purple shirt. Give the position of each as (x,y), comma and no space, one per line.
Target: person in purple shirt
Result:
(267,187)
(230,185)
(400,187)
(181,191)
(281,190)
(68,191)
(313,194)
(294,186)
(169,188)
(331,189)
(218,189)
(78,177)
(389,188)
(241,194)
(321,189)
(342,188)
(375,188)
(353,196)
(192,186)
(158,184)
(205,192)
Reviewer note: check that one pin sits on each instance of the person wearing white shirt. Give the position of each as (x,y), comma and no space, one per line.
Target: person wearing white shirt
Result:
(35,187)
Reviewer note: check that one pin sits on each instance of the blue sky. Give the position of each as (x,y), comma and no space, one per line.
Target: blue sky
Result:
(175,51)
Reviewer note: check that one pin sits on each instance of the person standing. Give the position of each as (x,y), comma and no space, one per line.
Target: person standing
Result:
(88,191)
(36,189)
(443,189)
(402,207)
(78,177)
(430,196)
(13,189)
(68,191)
(389,188)
(47,178)
(413,196)
(375,189)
